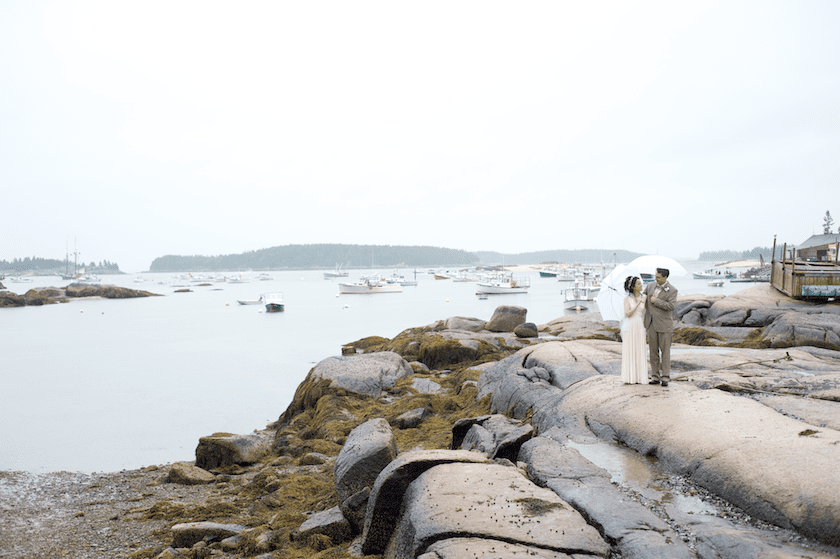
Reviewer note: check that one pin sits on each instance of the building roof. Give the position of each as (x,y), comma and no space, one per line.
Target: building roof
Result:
(819,240)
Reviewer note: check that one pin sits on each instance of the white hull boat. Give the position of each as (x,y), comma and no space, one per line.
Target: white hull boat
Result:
(503,284)
(337,273)
(578,298)
(273,302)
(368,286)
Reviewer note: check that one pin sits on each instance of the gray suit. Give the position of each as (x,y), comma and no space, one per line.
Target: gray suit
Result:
(659,322)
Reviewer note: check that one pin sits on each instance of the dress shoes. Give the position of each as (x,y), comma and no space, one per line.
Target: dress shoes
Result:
(654,382)
(664,383)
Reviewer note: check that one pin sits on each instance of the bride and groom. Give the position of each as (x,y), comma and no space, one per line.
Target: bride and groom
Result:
(647,309)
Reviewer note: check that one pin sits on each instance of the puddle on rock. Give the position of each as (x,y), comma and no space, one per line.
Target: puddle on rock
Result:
(640,473)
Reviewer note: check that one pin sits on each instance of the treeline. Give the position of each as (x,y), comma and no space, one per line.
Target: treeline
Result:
(753,254)
(582,256)
(35,264)
(319,256)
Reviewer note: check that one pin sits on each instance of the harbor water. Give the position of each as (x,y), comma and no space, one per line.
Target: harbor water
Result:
(106,385)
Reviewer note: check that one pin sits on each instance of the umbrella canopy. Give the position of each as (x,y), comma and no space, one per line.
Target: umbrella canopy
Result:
(610,299)
(649,263)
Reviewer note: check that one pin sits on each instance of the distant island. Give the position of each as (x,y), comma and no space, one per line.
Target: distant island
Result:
(51,266)
(754,254)
(320,256)
(327,256)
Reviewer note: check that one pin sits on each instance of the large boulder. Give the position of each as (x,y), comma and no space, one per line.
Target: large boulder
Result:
(786,322)
(386,495)
(187,474)
(797,329)
(461,323)
(526,330)
(221,450)
(367,373)
(489,502)
(583,325)
(369,448)
(495,435)
(506,318)
(331,523)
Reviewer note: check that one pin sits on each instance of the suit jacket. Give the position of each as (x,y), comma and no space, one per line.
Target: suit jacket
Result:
(659,316)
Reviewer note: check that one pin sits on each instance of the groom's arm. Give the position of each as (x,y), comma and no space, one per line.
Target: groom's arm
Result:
(667,300)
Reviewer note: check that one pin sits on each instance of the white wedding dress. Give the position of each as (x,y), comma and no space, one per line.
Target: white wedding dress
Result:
(633,354)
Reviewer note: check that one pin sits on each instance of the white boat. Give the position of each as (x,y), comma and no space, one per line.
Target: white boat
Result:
(337,273)
(716,283)
(366,285)
(273,302)
(264,277)
(250,301)
(20,279)
(712,274)
(500,284)
(578,297)
(400,279)
(464,277)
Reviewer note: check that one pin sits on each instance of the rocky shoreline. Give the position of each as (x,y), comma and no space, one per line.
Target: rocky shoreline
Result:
(50,295)
(468,438)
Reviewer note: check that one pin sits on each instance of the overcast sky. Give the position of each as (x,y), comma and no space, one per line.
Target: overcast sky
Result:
(140,129)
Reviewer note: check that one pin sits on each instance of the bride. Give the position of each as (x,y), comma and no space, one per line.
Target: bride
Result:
(633,358)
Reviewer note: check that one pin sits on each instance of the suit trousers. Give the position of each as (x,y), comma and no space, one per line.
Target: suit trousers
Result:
(660,355)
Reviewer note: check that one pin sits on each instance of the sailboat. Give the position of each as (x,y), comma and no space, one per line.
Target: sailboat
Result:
(337,273)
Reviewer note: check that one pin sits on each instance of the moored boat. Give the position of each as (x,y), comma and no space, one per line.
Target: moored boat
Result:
(337,273)
(578,297)
(368,285)
(713,274)
(501,284)
(273,302)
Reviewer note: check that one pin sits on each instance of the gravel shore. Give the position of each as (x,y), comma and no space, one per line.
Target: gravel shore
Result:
(64,514)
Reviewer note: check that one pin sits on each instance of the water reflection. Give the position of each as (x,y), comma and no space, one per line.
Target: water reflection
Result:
(641,473)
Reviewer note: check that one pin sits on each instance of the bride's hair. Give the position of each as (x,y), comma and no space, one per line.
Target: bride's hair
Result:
(629,282)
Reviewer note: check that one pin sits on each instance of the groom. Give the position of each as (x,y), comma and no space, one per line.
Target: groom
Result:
(660,298)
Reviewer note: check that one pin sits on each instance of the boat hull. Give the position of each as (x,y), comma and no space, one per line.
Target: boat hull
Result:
(273,302)
(363,289)
(491,289)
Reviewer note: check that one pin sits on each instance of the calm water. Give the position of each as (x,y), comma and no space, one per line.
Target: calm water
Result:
(107,385)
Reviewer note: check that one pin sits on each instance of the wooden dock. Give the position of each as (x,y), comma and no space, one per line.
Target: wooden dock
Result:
(801,279)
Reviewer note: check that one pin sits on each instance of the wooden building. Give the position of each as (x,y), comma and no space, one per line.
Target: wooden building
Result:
(809,271)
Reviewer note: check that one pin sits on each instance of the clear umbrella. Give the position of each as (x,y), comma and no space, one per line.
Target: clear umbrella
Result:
(649,263)
(610,299)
